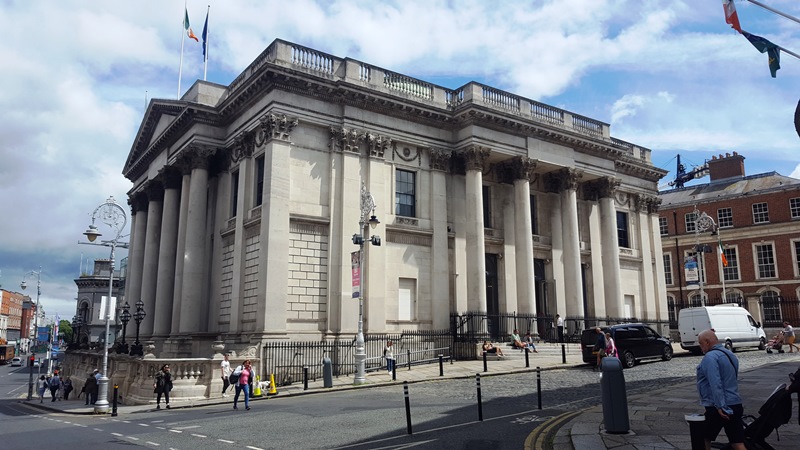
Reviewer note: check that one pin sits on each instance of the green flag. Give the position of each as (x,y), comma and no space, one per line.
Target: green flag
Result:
(772,50)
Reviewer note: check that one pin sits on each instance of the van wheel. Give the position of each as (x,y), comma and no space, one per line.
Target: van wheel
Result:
(762,344)
(628,360)
(667,354)
(729,345)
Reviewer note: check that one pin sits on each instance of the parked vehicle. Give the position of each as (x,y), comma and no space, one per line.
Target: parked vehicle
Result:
(634,341)
(6,354)
(16,362)
(733,325)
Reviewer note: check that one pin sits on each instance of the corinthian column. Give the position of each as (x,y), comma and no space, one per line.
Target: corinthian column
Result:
(136,255)
(476,254)
(572,247)
(523,243)
(165,286)
(155,195)
(610,247)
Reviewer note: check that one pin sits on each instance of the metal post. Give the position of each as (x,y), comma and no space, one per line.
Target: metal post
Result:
(367,205)
(408,406)
(305,378)
(480,404)
(441,365)
(485,367)
(563,354)
(35,323)
(114,403)
(527,358)
(394,371)
(539,385)
(408,354)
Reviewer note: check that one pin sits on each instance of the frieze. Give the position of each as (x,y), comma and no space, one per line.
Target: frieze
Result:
(275,126)
(398,237)
(408,155)
(407,221)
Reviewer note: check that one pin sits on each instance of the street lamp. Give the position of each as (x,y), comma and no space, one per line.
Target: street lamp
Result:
(138,317)
(114,216)
(124,317)
(366,219)
(24,285)
(702,223)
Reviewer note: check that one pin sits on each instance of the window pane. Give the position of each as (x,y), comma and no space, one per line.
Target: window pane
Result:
(771,306)
(760,213)
(663,226)
(794,207)
(725,217)
(731,272)
(534,217)
(622,229)
(487,208)
(668,269)
(405,193)
(259,179)
(765,259)
(689,221)
(234,192)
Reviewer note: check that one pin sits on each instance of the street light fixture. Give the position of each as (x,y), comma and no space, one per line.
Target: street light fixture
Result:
(24,285)
(114,216)
(138,316)
(702,223)
(124,317)
(366,220)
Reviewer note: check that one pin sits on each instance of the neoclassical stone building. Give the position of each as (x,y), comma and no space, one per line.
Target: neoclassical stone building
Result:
(246,197)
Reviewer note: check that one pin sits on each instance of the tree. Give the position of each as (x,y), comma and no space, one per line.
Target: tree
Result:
(65,329)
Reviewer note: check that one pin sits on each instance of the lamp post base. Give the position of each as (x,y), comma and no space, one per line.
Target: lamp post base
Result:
(101,405)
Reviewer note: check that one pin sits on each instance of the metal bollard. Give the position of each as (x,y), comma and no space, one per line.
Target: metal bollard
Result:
(114,402)
(327,373)
(697,428)
(441,365)
(614,397)
(409,359)
(394,371)
(305,378)
(563,354)
(527,359)
(408,406)
(539,385)
(485,369)
(480,405)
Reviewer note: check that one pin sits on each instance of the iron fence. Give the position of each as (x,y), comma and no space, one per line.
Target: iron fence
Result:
(776,310)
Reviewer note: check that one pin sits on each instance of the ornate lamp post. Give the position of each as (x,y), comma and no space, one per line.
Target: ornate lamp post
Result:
(124,317)
(138,317)
(24,285)
(114,216)
(702,223)
(367,207)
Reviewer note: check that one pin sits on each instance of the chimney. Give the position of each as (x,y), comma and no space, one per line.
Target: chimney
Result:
(728,166)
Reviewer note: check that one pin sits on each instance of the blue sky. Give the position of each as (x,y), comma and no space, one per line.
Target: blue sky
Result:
(671,76)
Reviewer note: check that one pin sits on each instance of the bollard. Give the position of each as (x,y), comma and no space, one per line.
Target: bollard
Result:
(394,371)
(305,378)
(441,365)
(327,373)
(480,405)
(615,400)
(527,359)
(563,354)
(408,406)
(114,403)
(409,359)
(485,369)
(539,385)
(696,429)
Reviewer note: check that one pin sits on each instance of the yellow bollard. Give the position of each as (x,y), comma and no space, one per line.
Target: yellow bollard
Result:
(272,389)
(257,387)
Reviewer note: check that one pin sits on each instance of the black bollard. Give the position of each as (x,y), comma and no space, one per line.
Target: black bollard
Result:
(480,405)
(409,359)
(441,365)
(539,385)
(485,369)
(114,402)
(305,378)
(527,359)
(408,406)
(394,371)
(563,354)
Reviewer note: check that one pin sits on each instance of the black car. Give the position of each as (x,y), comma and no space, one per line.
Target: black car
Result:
(634,341)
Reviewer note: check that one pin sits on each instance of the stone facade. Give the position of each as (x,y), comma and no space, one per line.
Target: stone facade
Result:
(471,184)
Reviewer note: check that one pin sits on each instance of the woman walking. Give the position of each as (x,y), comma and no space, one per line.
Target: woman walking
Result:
(162,385)
(245,372)
(41,387)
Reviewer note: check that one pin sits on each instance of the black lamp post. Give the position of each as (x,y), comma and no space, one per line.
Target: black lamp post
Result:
(124,317)
(138,316)
(74,324)
(78,324)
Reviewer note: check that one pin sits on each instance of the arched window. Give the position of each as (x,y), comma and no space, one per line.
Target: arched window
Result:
(770,304)
(695,300)
(672,311)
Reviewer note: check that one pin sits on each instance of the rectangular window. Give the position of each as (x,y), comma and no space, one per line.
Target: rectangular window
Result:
(794,207)
(725,217)
(690,220)
(405,193)
(668,269)
(406,299)
(234,192)
(663,226)
(622,229)
(765,261)
(534,220)
(259,180)
(487,207)
(760,213)
(796,247)
(772,307)
(731,271)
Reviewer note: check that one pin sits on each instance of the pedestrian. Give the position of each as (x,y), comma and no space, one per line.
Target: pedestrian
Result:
(529,346)
(41,387)
(243,384)
(225,367)
(388,353)
(599,346)
(67,388)
(560,328)
(719,391)
(516,341)
(162,385)
(611,347)
(55,385)
(789,337)
(90,389)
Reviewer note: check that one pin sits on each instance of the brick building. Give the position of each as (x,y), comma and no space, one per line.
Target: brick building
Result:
(756,219)
(11,307)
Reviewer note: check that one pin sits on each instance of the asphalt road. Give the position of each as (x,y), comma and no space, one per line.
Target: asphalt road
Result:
(444,414)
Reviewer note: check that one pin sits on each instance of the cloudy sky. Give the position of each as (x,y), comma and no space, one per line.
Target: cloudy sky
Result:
(671,76)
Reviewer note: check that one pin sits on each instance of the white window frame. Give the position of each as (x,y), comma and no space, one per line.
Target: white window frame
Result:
(728,217)
(756,265)
(760,212)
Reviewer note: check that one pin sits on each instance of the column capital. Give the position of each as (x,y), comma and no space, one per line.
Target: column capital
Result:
(155,190)
(275,126)
(242,147)
(604,187)
(522,168)
(378,145)
(439,159)
(138,202)
(475,157)
(170,177)
(196,157)
(564,179)
(646,203)
(346,140)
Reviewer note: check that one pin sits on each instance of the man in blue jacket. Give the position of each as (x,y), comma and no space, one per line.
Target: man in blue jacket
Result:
(719,391)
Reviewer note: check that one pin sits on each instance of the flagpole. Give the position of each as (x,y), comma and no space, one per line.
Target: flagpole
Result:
(775,11)
(205,44)
(183,36)
(788,52)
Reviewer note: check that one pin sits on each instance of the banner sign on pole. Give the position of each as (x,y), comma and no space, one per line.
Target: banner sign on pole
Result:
(43,334)
(355,264)
(691,274)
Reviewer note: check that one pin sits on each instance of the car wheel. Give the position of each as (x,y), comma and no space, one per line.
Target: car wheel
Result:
(628,360)
(762,344)
(667,354)
(729,345)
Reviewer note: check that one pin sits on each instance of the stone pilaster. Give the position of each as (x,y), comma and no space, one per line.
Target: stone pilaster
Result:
(440,261)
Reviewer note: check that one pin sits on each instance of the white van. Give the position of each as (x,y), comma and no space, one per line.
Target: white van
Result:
(734,326)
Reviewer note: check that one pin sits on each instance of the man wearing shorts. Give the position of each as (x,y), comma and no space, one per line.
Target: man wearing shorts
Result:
(719,391)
